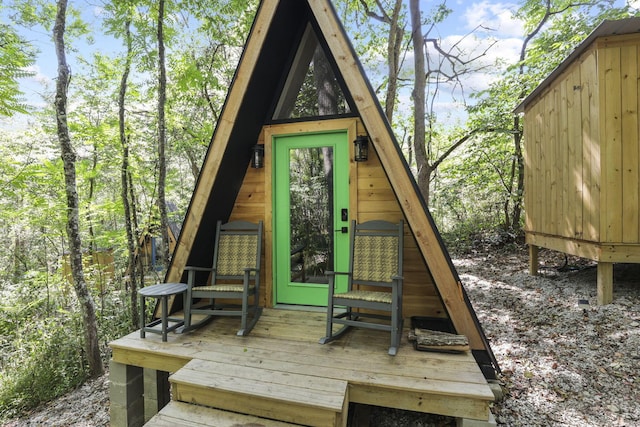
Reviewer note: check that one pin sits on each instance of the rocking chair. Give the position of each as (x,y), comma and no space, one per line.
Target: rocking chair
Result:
(375,261)
(235,275)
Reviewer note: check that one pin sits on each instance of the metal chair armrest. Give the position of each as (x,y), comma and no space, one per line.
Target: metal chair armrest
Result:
(193,268)
(334,273)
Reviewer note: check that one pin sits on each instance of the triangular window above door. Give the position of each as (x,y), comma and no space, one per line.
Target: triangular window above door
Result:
(311,88)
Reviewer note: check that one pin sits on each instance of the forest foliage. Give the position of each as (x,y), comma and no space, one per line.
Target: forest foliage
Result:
(470,150)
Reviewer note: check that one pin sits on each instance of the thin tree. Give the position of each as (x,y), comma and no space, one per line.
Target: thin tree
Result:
(162,135)
(124,171)
(435,67)
(327,92)
(395,40)
(69,159)
(419,106)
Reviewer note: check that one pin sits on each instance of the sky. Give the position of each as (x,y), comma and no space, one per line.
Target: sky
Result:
(467,16)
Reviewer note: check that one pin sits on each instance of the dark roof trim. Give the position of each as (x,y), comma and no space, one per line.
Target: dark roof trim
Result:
(606,28)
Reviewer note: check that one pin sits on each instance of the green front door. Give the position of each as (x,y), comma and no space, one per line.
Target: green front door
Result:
(311,218)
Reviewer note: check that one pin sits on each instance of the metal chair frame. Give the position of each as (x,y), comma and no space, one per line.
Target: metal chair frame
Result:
(355,300)
(221,288)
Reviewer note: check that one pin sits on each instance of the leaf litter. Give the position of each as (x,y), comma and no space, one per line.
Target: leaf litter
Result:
(565,360)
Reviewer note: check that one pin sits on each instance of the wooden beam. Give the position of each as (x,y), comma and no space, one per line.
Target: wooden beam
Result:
(179,414)
(605,283)
(213,160)
(297,73)
(454,406)
(533,260)
(581,248)
(596,251)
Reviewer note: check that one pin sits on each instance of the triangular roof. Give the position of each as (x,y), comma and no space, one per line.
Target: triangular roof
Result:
(257,86)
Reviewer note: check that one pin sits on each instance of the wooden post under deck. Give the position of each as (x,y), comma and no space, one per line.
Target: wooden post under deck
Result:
(533,260)
(605,282)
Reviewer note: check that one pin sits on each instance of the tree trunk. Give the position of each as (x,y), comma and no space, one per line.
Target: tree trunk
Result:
(394,47)
(68,158)
(124,173)
(419,108)
(327,94)
(162,138)
(92,186)
(517,198)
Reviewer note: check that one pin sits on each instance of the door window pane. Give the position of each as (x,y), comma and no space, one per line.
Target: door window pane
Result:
(311,213)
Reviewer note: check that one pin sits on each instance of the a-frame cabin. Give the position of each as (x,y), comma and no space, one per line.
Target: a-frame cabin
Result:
(272,68)
(298,50)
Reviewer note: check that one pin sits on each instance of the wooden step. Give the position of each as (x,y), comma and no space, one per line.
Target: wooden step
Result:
(273,393)
(180,414)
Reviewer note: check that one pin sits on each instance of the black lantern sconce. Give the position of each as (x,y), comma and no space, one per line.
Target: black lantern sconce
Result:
(361,149)
(257,156)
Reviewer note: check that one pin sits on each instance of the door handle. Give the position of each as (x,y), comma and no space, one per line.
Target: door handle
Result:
(344,214)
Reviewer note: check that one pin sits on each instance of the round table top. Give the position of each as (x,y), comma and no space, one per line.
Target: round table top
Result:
(163,289)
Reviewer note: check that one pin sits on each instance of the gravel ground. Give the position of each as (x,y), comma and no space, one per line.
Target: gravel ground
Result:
(565,361)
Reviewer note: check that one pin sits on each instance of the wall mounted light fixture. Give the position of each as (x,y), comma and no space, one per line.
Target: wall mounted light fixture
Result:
(361,148)
(257,157)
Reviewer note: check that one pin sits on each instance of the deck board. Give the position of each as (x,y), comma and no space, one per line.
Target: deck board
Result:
(180,414)
(276,383)
(287,340)
(269,393)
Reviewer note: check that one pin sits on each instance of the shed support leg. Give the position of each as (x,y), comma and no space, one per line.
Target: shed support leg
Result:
(126,395)
(156,392)
(533,260)
(605,282)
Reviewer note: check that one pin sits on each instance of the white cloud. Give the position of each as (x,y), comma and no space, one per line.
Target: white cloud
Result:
(481,28)
(36,87)
(498,17)
(38,76)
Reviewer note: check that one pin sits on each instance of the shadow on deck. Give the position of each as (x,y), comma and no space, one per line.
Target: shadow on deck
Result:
(280,372)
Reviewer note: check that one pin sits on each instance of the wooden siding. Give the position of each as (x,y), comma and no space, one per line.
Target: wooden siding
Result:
(371,198)
(271,43)
(582,155)
(619,74)
(559,180)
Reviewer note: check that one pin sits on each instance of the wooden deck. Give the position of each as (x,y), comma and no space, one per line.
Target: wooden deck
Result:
(286,375)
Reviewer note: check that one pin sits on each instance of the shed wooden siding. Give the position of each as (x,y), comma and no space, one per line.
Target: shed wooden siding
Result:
(619,78)
(582,149)
(371,198)
(562,193)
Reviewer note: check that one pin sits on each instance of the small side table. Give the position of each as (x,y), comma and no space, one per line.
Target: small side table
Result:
(162,291)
